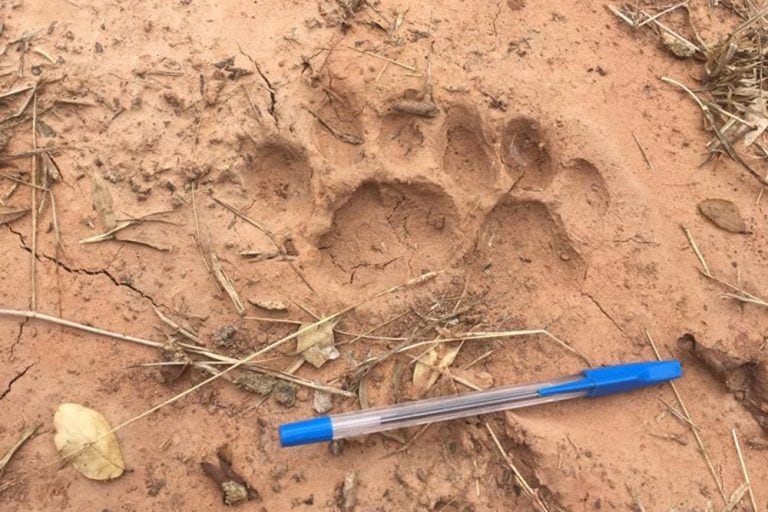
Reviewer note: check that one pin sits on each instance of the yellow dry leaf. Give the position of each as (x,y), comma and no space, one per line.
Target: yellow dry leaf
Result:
(317,344)
(84,437)
(447,360)
(422,371)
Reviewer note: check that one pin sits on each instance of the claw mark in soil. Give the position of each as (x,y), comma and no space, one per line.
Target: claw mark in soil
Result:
(604,312)
(10,384)
(85,271)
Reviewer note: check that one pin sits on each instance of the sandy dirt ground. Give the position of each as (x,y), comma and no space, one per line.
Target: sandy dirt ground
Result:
(525,186)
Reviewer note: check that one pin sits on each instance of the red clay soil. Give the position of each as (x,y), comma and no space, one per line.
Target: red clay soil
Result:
(527,189)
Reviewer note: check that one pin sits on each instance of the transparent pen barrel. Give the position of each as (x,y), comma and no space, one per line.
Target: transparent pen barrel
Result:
(446,408)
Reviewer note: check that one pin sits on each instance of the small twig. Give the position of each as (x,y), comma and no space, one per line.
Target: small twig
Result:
(24,154)
(35,181)
(660,14)
(14,92)
(199,240)
(226,282)
(23,438)
(713,126)
(342,136)
(27,183)
(479,358)
(736,497)
(642,152)
(695,431)
(679,415)
(386,59)
(178,328)
(696,251)
(524,485)
(258,225)
(744,471)
(412,440)
(738,292)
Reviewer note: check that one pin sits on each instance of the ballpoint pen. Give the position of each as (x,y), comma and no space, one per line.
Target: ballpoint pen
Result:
(592,382)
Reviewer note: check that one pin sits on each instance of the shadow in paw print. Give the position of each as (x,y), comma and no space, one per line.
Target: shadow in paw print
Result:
(401,136)
(581,187)
(466,157)
(524,251)
(337,132)
(525,154)
(386,232)
(278,177)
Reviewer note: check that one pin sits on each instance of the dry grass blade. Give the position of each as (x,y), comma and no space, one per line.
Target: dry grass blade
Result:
(736,497)
(261,227)
(737,292)
(122,224)
(178,328)
(532,495)
(145,243)
(695,431)
(386,59)
(35,181)
(732,93)
(109,235)
(258,225)
(14,92)
(342,136)
(199,240)
(8,215)
(23,438)
(744,471)
(471,336)
(642,152)
(226,283)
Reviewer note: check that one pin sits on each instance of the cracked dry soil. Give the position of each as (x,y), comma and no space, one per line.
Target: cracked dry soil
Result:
(526,188)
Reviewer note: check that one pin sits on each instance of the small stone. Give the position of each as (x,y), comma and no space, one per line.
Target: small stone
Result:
(285,394)
(224,336)
(323,402)
(256,383)
(234,493)
(349,492)
(177,201)
(141,189)
(336,447)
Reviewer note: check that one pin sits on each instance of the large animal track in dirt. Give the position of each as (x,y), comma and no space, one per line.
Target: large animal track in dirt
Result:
(431,194)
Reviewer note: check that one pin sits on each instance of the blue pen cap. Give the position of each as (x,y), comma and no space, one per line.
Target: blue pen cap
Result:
(307,431)
(607,380)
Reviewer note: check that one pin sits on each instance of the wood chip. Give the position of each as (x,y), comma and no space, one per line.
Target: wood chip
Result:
(269,305)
